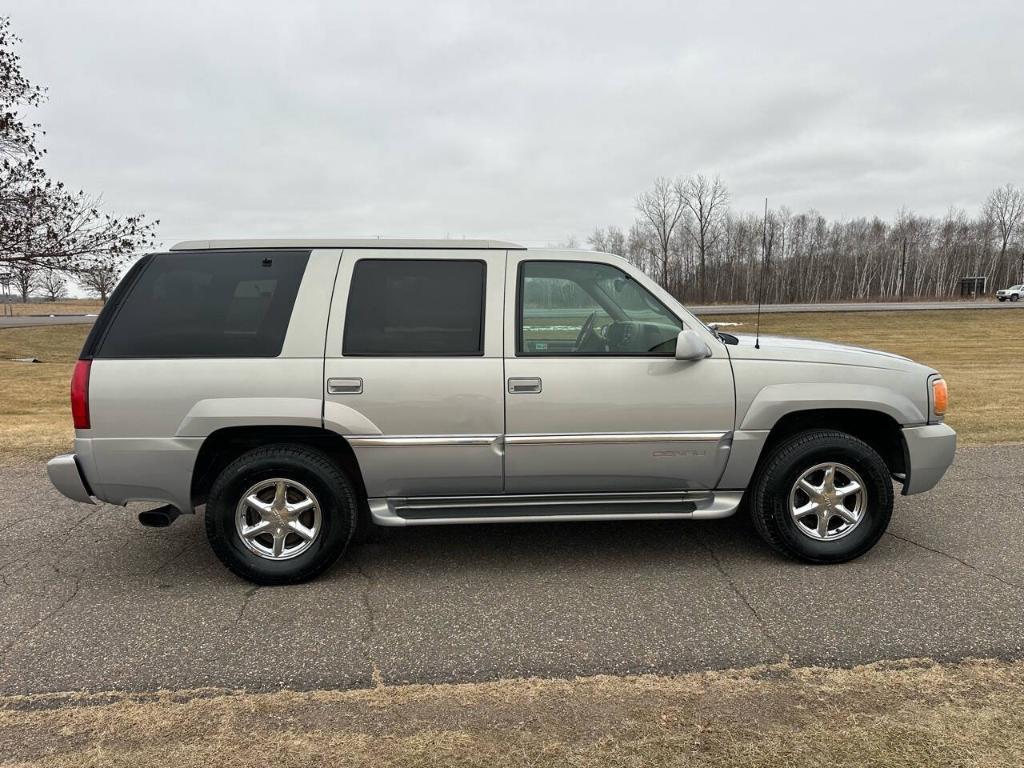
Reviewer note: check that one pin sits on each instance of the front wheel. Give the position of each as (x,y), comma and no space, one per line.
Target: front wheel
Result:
(280,514)
(822,496)
(1002,298)
(1015,297)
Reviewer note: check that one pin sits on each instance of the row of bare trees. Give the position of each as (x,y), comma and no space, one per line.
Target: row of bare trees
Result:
(48,232)
(687,238)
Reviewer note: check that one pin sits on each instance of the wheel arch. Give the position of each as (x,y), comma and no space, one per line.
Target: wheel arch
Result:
(224,445)
(879,430)
(876,428)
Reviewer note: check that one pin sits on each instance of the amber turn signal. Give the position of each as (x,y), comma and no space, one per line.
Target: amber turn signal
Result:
(940,396)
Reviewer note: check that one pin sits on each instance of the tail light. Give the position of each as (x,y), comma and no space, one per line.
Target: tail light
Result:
(80,394)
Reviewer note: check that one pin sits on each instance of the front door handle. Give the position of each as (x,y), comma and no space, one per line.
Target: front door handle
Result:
(524,386)
(345,386)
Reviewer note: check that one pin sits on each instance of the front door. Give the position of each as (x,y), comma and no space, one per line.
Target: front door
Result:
(413,369)
(595,400)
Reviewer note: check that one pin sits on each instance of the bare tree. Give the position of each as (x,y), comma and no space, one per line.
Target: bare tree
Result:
(53,284)
(1004,208)
(25,277)
(100,278)
(707,199)
(611,240)
(42,222)
(661,208)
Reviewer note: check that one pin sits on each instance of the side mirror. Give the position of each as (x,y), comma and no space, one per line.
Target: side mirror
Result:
(690,346)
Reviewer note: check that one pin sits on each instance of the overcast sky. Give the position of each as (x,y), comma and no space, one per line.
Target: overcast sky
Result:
(519,120)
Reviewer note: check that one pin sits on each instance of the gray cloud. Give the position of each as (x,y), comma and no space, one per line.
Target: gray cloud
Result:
(522,120)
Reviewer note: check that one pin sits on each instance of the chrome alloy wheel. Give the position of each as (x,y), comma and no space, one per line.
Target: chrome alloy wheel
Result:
(828,501)
(278,519)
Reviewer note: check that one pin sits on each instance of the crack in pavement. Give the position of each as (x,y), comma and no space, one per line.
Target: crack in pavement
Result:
(171,559)
(246,599)
(5,567)
(761,624)
(376,679)
(5,652)
(956,559)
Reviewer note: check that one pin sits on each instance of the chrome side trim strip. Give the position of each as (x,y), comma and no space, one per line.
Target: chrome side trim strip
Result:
(532,508)
(608,438)
(425,440)
(548,499)
(616,438)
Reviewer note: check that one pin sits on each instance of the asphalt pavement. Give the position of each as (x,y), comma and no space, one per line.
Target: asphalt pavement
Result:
(91,600)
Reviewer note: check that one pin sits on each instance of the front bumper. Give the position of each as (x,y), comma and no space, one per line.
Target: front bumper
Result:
(67,478)
(928,453)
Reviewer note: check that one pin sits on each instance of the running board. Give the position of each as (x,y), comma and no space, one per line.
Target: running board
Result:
(554,507)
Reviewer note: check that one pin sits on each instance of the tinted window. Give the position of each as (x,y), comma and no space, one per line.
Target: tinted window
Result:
(415,307)
(583,308)
(207,304)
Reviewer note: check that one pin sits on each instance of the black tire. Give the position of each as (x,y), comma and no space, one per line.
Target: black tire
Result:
(769,495)
(314,470)
(1015,297)
(1002,298)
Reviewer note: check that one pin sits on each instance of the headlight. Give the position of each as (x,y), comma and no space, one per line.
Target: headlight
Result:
(939,398)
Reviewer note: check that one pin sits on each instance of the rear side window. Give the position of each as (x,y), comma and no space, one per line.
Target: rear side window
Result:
(415,307)
(206,304)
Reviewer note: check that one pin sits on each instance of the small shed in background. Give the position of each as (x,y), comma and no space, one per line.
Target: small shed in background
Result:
(973,286)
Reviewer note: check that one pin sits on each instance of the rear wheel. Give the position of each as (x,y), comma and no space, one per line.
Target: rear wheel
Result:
(822,496)
(280,514)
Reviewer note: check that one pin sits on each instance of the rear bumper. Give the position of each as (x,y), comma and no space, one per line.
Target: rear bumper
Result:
(67,478)
(121,470)
(929,453)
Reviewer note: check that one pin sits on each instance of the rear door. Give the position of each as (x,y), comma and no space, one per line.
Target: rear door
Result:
(413,369)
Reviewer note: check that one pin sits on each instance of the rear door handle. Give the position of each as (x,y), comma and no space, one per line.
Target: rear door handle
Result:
(524,386)
(345,386)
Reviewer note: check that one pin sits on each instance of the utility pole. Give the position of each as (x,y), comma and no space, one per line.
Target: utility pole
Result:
(903,271)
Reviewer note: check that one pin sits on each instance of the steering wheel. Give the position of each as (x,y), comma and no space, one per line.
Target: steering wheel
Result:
(586,331)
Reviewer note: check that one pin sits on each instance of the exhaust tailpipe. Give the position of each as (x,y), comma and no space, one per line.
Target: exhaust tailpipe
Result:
(161,517)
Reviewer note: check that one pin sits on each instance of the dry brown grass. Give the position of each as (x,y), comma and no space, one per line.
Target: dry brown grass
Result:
(63,307)
(979,353)
(890,714)
(35,410)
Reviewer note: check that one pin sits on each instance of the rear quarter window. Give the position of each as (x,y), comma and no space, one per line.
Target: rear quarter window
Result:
(204,304)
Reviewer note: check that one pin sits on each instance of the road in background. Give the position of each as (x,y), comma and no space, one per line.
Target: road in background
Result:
(91,600)
(716,309)
(23,321)
(918,306)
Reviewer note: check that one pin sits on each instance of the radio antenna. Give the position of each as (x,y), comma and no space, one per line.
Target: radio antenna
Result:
(760,281)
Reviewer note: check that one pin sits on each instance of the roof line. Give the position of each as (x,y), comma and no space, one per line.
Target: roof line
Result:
(393,243)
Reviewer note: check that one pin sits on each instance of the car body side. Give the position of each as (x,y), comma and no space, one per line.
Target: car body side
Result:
(154,420)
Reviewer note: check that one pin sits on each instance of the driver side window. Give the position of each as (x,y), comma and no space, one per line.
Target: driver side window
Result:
(569,308)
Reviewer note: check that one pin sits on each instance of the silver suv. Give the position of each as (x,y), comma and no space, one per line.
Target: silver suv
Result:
(306,390)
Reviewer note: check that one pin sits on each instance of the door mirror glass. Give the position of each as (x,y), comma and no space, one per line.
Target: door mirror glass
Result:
(690,346)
